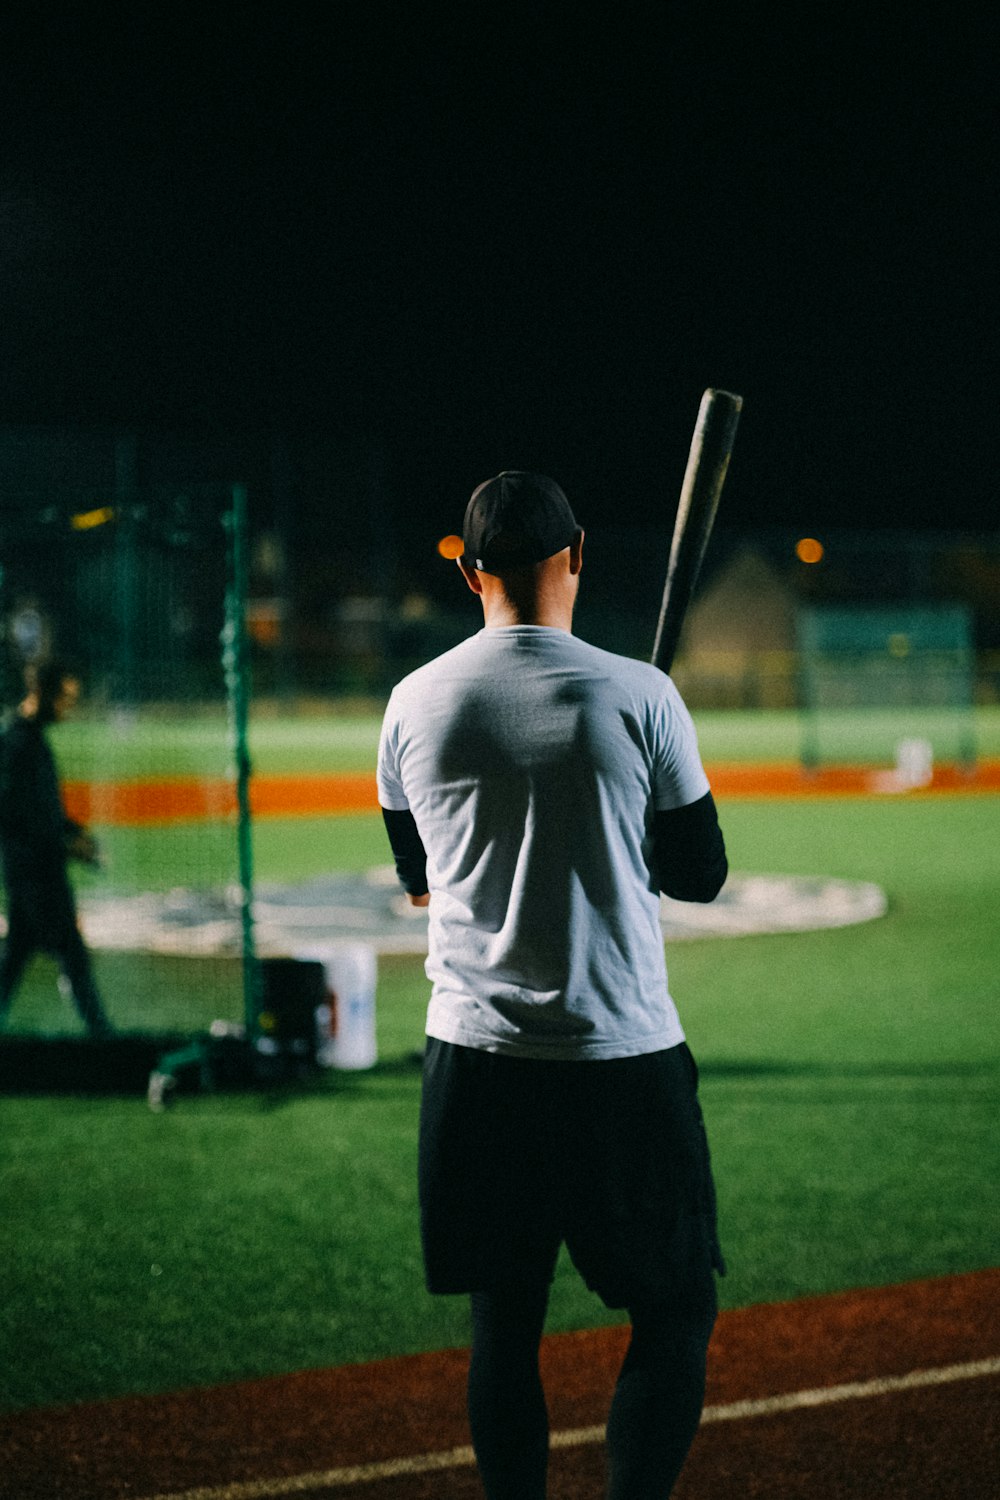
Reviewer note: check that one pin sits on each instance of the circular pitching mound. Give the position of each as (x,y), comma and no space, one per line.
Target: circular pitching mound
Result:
(372,909)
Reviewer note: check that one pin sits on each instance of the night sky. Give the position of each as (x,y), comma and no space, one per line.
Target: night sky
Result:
(476,239)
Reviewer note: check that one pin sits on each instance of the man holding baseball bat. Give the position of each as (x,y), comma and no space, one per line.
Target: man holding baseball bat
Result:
(539,794)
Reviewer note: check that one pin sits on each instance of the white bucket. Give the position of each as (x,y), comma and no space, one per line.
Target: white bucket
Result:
(346,1023)
(915,762)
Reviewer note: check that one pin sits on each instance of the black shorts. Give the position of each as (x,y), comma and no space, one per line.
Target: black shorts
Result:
(518,1156)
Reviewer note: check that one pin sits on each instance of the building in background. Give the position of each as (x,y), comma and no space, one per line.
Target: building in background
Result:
(348,591)
(738,647)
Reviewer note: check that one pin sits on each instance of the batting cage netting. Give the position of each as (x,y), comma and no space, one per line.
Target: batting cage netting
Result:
(142,599)
(887,684)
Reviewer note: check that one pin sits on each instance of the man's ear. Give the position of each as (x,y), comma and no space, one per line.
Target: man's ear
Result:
(576,552)
(470,575)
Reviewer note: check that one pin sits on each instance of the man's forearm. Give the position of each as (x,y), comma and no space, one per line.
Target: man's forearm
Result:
(689,853)
(408,851)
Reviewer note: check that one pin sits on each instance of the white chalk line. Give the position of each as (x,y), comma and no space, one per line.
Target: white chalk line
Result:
(455,1458)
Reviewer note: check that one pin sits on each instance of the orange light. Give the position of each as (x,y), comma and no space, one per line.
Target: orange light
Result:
(809,550)
(86,520)
(451,547)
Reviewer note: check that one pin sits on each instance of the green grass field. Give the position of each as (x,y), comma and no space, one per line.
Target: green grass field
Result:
(849,1080)
(348,741)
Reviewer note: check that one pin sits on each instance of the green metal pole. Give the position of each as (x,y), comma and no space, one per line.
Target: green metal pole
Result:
(126,583)
(968,749)
(6,687)
(237,669)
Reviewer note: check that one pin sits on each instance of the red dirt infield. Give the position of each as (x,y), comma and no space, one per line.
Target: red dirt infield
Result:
(368,1429)
(190,799)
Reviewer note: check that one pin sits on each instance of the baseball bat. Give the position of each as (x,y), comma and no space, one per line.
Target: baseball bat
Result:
(704,476)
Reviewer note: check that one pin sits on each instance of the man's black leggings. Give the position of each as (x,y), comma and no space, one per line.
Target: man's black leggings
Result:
(41,917)
(654,1413)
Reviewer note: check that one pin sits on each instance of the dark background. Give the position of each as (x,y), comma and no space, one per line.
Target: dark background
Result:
(404,246)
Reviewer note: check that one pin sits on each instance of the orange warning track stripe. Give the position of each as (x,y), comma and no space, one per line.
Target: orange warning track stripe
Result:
(196,799)
(192,799)
(788,779)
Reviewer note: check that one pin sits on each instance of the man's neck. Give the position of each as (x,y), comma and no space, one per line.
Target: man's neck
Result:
(502,612)
(551,606)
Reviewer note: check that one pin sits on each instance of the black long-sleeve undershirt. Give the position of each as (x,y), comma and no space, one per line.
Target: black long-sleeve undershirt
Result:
(407,849)
(689,853)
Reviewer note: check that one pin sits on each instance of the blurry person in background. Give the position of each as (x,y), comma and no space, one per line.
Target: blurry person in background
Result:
(37,839)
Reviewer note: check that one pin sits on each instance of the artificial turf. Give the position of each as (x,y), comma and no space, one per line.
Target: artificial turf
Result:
(345,741)
(849,1080)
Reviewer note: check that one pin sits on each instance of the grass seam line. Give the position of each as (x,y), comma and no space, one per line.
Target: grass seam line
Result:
(453,1458)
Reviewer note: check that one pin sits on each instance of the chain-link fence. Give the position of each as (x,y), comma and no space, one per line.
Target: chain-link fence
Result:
(140,598)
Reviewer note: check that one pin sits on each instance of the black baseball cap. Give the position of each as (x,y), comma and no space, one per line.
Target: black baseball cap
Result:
(514,520)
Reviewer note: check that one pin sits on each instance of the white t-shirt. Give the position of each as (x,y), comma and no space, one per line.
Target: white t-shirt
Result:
(532,764)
